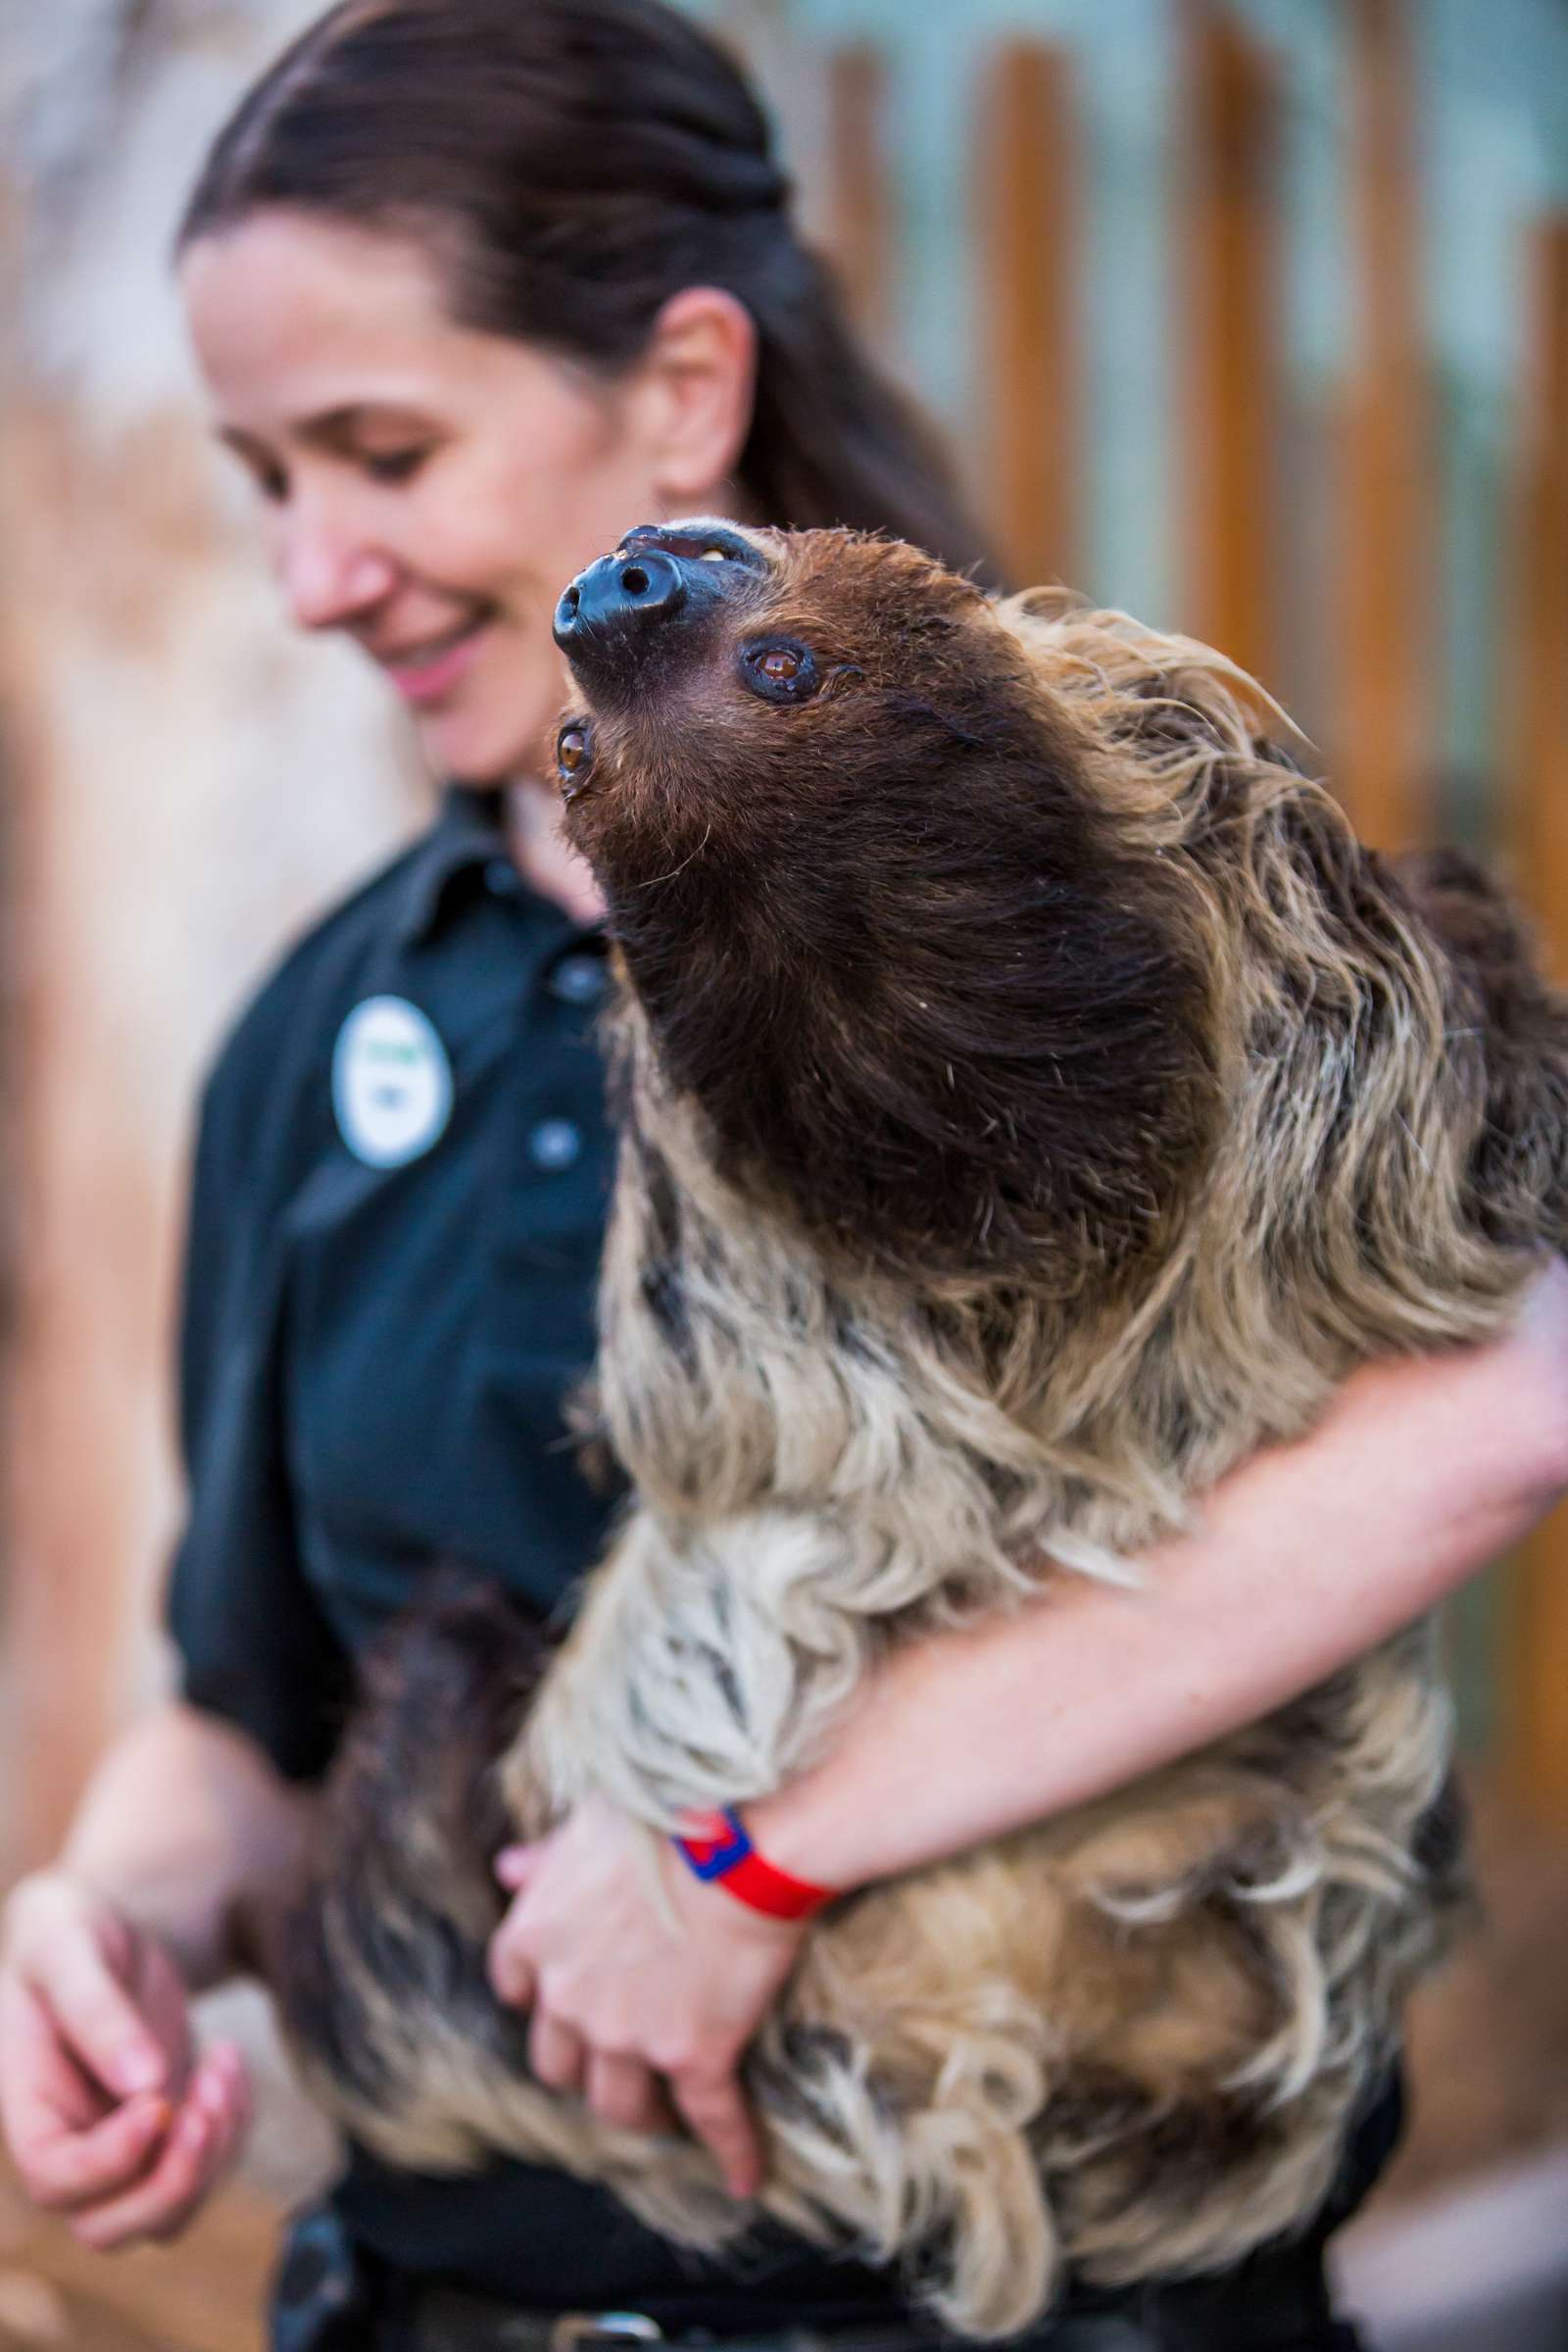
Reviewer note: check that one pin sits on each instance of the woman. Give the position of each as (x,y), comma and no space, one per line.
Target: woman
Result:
(475,285)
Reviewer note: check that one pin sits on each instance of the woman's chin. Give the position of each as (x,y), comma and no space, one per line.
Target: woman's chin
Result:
(477,748)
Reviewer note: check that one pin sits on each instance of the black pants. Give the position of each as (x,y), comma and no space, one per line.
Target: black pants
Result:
(330,2298)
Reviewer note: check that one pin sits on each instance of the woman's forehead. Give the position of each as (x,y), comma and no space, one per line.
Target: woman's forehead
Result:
(295,315)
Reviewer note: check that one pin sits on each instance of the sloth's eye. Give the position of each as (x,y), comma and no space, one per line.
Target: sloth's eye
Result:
(715,555)
(780,669)
(573,756)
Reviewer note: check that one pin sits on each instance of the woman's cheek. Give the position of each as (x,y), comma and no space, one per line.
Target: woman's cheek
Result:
(504,723)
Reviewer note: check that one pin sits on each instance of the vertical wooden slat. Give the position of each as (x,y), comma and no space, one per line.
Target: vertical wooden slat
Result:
(859,211)
(1534,727)
(1230,274)
(1027,242)
(1382,599)
(1534,600)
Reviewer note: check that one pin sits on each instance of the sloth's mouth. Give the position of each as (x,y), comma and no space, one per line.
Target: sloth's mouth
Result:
(699,541)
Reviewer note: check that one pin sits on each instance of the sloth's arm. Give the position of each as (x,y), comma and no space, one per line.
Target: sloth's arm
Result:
(1306,1557)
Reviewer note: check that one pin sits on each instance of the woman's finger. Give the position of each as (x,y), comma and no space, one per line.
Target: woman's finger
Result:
(625,2092)
(230,2108)
(556,2052)
(716,2110)
(68,2144)
(99,2020)
(201,2142)
(222,2086)
(79,2167)
(42,2090)
(516,1864)
(508,1969)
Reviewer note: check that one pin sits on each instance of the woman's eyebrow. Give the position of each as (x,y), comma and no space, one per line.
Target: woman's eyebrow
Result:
(242,443)
(336,428)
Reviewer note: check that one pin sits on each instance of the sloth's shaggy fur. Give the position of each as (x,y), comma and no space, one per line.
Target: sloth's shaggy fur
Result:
(1034,1101)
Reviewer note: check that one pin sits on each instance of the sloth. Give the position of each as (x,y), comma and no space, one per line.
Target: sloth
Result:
(1033,1099)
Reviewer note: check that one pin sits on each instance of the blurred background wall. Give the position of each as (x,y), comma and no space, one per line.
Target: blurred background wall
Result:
(1251,316)
(182,784)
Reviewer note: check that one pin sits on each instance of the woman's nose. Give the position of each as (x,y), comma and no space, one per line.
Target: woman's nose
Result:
(331,577)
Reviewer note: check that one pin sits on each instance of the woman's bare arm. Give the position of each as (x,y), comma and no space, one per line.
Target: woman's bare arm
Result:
(1308,1555)
(188,1830)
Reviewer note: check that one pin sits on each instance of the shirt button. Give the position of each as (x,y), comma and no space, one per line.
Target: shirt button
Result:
(578,980)
(555,1143)
(502,878)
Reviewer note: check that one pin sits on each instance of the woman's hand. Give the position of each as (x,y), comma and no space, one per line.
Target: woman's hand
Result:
(635,1969)
(106,2115)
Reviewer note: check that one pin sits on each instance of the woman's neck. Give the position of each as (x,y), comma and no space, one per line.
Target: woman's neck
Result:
(544,856)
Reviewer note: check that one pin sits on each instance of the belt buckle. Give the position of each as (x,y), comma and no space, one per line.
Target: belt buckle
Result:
(580,2331)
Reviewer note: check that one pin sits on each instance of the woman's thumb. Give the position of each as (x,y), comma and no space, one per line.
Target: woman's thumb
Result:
(514,1866)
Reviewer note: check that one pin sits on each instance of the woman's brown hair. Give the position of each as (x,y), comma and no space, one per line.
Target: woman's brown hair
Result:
(573,164)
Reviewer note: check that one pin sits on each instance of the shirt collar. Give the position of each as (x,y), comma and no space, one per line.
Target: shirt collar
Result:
(469,831)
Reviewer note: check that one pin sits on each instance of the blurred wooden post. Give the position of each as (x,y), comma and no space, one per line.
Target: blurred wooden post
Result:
(1027,240)
(858,211)
(1382,598)
(1230,263)
(1534,609)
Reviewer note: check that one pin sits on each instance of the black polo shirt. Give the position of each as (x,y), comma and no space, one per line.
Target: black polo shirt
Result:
(402,1171)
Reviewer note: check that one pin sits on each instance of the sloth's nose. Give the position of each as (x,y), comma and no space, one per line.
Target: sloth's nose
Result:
(657,608)
(618,600)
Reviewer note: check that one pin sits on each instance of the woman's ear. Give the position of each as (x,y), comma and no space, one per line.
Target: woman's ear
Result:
(697,380)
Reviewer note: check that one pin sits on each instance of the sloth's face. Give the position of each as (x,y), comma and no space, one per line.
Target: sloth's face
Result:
(651,622)
(736,682)
(871,898)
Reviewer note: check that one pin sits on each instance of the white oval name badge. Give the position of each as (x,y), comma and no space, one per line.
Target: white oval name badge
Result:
(391,1082)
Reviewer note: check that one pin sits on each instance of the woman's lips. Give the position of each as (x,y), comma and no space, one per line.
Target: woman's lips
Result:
(425,677)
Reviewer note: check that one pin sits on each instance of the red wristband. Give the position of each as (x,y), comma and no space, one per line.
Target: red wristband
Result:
(718,1847)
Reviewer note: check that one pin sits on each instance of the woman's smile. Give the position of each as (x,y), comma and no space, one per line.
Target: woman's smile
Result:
(428,670)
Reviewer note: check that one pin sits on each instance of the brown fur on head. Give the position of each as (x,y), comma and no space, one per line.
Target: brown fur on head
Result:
(888,927)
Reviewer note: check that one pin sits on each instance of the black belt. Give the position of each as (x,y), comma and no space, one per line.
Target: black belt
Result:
(443,2321)
(330,2298)
(1276,2303)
